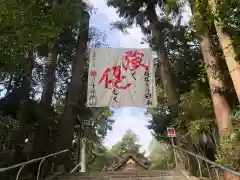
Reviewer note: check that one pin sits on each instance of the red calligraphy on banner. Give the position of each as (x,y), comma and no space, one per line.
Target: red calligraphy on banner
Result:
(131,61)
(116,79)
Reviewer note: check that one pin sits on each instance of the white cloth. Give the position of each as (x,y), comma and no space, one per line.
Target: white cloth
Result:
(134,70)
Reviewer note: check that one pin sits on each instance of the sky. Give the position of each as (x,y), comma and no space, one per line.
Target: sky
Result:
(127,117)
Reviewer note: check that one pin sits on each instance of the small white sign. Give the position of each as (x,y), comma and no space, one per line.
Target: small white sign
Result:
(171,132)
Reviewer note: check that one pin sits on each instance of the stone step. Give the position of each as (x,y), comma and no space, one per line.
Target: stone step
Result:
(116,177)
(124,178)
(128,175)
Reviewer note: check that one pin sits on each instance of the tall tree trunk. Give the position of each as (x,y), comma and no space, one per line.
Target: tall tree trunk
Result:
(40,141)
(17,138)
(167,78)
(216,83)
(228,50)
(164,65)
(41,145)
(50,76)
(69,116)
(24,96)
(25,86)
(51,64)
(41,135)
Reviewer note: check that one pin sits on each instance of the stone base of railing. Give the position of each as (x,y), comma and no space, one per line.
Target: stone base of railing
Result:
(222,176)
(189,177)
(230,176)
(54,176)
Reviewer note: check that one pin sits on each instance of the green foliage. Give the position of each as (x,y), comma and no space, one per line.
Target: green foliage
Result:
(196,115)
(101,157)
(29,27)
(194,107)
(172,9)
(195,123)
(161,155)
(128,144)
(202,16)
(139,12)
(27,24)
(199,126)
(100,120)
(228,152)
(185,57)
(101,123)
(8,123)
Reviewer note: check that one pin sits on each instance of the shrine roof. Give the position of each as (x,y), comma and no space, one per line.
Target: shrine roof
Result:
(126,158)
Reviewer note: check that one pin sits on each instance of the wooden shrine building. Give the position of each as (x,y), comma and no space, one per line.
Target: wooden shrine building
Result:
(130,163)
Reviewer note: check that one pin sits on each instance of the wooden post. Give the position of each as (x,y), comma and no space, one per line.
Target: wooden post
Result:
(80,135)
(83,156)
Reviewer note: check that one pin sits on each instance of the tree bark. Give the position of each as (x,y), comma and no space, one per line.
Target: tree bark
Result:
(68,118)
(50,76)
(40,142)
(228,50)
(164,65)
(216,82)
(26,86)
(167,79)
(51,64)
(17,138)
(41,145)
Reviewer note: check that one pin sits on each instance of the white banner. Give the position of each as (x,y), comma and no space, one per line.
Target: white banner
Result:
(121,77)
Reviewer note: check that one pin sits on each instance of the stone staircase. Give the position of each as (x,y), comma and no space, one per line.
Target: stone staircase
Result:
(121,175)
